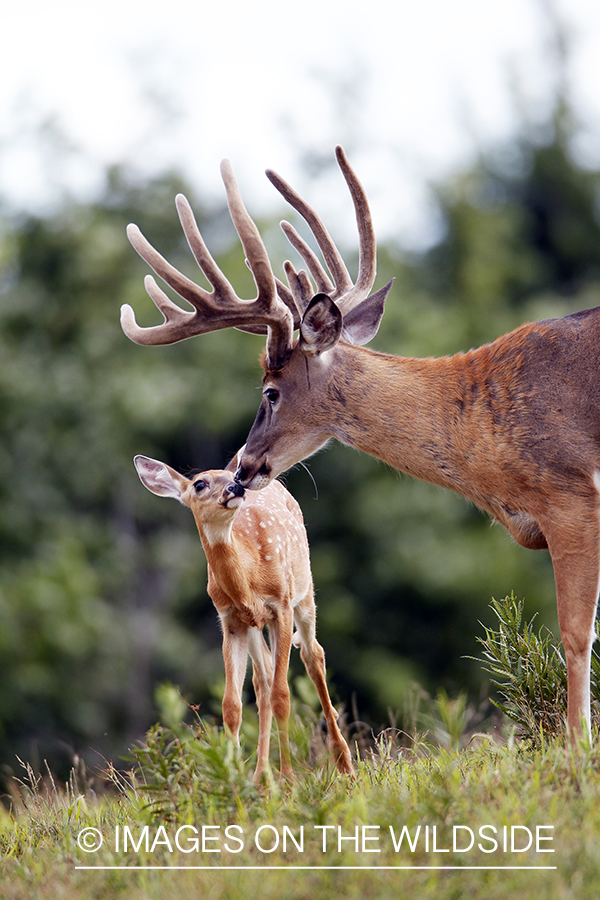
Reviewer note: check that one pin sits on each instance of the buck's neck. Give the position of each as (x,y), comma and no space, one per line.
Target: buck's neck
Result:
(423,416)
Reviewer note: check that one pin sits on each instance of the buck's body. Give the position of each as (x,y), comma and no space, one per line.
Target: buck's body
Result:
(514,426)
(507,425)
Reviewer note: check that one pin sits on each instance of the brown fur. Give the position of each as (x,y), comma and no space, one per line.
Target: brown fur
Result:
(514,426)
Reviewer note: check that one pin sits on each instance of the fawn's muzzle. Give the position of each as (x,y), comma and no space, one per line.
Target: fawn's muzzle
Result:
(232,496)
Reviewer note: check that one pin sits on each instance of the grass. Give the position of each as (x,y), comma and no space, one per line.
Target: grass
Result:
(484,784)
(186,800)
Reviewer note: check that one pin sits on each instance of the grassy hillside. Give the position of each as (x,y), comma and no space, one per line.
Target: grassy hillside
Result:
(493,819)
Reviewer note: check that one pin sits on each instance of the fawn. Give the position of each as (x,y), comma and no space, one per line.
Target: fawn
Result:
(259,576)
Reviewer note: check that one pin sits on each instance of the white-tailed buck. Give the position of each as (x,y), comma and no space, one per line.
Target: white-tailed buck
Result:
(514,425)
(258,576)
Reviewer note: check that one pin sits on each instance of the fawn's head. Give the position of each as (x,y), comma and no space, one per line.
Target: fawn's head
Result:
(213,496)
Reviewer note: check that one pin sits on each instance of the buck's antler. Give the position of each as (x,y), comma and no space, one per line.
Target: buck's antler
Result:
(221,308)
(278,308)
(343,291)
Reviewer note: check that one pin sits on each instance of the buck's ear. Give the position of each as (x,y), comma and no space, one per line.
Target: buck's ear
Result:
(362,323)
(321,326)
(160,478)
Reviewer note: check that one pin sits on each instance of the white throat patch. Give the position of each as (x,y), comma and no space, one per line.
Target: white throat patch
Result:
(217,533)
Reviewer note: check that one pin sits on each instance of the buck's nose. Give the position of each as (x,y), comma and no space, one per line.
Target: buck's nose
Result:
(254,477)
(242,473)
(235,489)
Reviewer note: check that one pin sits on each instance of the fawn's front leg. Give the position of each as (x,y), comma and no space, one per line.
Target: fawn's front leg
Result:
(235,657)
(262,679)
(313,657)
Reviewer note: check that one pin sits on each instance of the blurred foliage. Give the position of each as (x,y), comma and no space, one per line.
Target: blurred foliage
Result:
(102,592)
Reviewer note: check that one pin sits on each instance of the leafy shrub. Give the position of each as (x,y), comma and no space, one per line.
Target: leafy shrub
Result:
(529,670)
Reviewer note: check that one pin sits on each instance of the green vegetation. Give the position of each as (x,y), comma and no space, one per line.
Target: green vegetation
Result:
(530,672)
(446,809)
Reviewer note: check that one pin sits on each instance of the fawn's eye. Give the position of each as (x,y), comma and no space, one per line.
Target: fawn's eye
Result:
(199,485)
(271,394)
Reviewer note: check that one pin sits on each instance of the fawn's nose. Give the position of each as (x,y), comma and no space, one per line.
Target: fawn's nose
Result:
(235,489)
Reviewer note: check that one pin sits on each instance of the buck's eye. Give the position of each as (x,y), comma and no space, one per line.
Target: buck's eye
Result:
(271,394)
(199,485)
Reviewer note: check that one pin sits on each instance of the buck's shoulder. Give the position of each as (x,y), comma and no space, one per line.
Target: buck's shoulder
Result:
(581,325)
(547,343)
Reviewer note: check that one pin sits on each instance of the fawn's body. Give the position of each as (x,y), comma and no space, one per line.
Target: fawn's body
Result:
(258,576)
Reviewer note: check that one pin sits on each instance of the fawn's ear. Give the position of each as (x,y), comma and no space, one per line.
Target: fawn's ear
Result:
(160,478)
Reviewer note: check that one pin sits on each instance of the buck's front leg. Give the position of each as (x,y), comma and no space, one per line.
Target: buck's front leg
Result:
(575,551)
(280,631)
(235,657)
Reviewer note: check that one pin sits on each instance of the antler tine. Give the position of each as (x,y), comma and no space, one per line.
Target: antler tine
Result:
(301,287)
(206,262)
(184,286)
(367,259)
(201,252)
(331,254)
(315,268)
(291,300)
(346,294)
(179,323)
(249,235)
(220,308)
(279,314)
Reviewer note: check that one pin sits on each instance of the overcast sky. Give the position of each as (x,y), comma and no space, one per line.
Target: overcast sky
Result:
(412,89)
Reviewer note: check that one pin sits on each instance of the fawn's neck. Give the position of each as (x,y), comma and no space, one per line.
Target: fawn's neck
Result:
(227,556)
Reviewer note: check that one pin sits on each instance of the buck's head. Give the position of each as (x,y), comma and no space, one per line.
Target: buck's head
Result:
(213,496)
(297,413)
(329,312)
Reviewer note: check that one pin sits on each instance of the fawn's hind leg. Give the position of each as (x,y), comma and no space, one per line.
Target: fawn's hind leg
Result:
(313,657)
(280,633)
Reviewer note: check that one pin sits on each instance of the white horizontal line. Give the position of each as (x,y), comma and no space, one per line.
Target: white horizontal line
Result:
(316,868)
